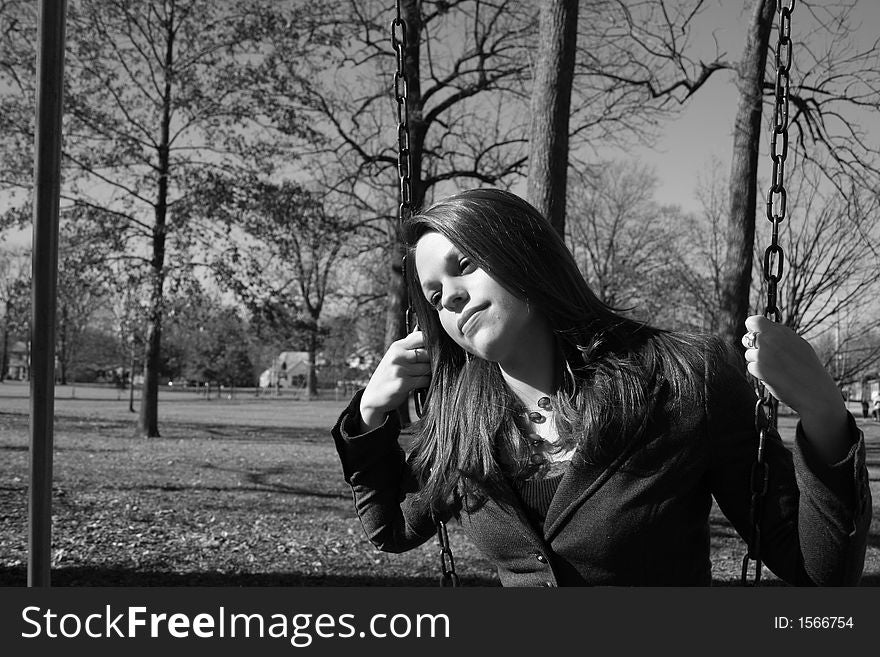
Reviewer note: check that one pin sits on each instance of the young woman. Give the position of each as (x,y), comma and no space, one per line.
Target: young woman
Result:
(576,446)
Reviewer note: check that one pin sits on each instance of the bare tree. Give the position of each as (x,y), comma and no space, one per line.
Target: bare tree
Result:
(634,69)
(849,349)
(465,64)
(551,108)
(626,244)
(639,54)
(631,70)
(703,253)
(830,283)
(832,82)
(743,192)
(834,95)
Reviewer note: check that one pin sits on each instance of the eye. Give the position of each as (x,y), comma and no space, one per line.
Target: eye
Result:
(465,266)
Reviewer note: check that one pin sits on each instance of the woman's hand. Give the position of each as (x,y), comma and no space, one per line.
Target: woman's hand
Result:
(791,371)
(405,367)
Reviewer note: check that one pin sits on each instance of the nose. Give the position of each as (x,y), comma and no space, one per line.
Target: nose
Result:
(454,296)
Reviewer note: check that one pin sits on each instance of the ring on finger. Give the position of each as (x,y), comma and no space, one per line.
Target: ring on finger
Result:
(750,340)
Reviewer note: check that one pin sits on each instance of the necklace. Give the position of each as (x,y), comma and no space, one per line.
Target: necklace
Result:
(538,444)
(536,416)
(547,452)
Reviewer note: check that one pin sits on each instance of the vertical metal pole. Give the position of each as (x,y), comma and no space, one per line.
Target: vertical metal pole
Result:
(47,190)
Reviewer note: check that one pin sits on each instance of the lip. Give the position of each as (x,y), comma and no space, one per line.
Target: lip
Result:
(467,314)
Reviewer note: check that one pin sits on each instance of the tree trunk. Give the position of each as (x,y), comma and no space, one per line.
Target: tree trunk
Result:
(395,325)
(148,419)
(737,273)
(131,380)
(4,361)
(395,319)
(312,374)
(149,411)
(551,108)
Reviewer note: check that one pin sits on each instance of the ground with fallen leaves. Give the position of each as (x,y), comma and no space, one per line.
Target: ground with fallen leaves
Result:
(238,494)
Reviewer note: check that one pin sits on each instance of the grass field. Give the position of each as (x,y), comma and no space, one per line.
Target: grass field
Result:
(244,491)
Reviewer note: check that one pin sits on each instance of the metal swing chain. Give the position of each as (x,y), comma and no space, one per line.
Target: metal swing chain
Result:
(772,267)
(404,159)
(404,163)
(448,576)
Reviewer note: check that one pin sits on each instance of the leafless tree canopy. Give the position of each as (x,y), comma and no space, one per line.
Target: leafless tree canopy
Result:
(174,108)
(629,247)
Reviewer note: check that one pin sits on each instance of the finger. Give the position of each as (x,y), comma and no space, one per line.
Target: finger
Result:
(417,369)
(419,355)
(755,370)
(413,340)
(751,355)
(415,355)
(757,323)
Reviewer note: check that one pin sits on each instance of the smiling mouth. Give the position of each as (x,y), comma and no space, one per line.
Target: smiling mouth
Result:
(467,316)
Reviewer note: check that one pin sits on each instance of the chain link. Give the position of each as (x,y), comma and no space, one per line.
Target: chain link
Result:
(448,576)
(774,258)
(404,160)
(401,95)
(777,196)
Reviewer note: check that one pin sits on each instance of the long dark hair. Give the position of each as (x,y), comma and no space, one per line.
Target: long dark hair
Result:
(613,373)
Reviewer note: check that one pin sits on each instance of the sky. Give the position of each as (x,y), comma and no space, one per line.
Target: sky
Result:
(701,133)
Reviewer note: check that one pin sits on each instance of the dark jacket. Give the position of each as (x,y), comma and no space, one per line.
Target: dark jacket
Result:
(643,520)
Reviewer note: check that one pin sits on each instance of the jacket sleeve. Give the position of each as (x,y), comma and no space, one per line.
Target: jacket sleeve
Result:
(815,518)
(382,484)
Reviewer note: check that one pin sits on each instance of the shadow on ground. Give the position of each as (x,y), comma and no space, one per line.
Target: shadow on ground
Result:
(120,577)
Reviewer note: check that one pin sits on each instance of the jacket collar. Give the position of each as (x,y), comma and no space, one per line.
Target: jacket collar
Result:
(580,481)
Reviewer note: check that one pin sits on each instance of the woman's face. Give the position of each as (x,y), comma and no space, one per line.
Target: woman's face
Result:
(480,315)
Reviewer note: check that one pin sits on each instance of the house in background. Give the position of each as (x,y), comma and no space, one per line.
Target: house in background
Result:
(19,366)
(289,370)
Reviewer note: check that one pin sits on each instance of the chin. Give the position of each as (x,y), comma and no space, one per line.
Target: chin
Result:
(487,352)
